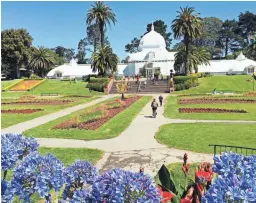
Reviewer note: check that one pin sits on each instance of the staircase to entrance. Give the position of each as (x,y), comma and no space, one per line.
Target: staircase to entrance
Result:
(160,86)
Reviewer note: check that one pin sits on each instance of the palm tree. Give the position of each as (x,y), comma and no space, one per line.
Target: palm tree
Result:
(101,15)
(104,60)
(195,57)
(42,60)
(189,25)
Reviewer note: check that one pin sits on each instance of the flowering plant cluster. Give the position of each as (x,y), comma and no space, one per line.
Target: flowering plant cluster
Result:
(15,147)
(26,85)
(236,180)
(34,173)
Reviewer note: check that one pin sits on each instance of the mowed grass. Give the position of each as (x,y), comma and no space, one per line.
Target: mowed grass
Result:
(171,110)
(12,119)
(235,83)
(69,155)
(6,83)
(56,86)
(110,129)
(197,137)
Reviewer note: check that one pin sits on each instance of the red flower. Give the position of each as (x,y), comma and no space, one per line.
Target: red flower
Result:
(166,196)
(184,200)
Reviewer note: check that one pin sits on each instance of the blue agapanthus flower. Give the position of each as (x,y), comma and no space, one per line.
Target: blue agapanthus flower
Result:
(82,196)
(38,174)
(15,147)
(124,186)
(77,176)
(7,192)
(236,180)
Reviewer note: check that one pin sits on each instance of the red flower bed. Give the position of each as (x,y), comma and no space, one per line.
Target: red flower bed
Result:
(215,101)
(38,102)
(20,111)
(209,110)
(96,123)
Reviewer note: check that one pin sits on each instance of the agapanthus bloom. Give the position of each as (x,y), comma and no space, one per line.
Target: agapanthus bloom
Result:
(77,176)
(14,147)
(37,173)
(124,186)
(236,180)
(7,192)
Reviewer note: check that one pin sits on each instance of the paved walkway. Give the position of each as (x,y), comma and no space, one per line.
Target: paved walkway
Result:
(21,127)
(135,147)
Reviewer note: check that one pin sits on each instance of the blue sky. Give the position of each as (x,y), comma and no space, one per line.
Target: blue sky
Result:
(63,23)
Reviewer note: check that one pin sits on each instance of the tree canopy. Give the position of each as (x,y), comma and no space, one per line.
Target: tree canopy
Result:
(15,48)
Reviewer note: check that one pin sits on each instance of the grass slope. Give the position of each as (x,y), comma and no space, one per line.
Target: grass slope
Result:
(56,86)
(171,111)
(12,119)
(197,137)
(111,129)
(7,83)
(235,83)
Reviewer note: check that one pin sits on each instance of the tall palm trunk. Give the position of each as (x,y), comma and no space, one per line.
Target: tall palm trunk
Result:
(18,71)
(186,41)
(101,25)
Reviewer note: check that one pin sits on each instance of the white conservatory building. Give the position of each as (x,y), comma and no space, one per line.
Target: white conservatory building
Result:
(154,56)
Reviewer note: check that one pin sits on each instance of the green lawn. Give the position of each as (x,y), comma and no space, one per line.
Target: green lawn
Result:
(56,86)
(235,83)
(70,155)
(171,110)
(6,83)
(12,119)
(197,137)
(111,129)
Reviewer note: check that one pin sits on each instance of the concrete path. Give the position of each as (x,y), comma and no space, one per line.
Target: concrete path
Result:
(21,127)
(135,147)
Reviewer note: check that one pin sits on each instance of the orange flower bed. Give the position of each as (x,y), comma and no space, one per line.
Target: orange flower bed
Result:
(26,85)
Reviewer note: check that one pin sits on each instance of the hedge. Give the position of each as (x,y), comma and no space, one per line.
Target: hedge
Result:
(96,86)
(99,80)
(183,79)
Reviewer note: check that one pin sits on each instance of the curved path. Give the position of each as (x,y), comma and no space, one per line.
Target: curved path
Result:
(135,147)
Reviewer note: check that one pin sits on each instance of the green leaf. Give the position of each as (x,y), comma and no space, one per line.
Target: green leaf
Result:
(165,179)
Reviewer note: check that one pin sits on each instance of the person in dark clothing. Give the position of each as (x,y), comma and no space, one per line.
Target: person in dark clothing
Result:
(154,106)
(160,100)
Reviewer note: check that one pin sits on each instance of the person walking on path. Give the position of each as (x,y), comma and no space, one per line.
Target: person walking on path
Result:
(160,100)
(154,106)
(90,89)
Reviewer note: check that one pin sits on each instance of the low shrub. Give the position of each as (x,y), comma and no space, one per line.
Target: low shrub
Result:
(187,85)
(99,80)
(96,86)
(181,79)
(34,76)
(177,87)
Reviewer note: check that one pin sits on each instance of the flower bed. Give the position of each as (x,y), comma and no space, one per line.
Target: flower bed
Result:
(250,94)
(210,110)
(26,85)
(215,101)
(37,102)
(98,122)
(20,111)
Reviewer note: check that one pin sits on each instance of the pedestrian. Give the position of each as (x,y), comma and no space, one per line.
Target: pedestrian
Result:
(160,100)
(145,84)
(154,106)
(90,89)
